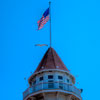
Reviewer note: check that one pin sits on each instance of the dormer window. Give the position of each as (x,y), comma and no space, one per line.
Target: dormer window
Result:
(60,77)
(42,67)
(50,76)
(41,78)
(57,66)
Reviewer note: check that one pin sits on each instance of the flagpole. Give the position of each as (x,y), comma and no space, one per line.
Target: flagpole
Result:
(50,20)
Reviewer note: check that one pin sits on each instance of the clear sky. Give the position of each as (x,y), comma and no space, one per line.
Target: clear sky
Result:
(75,37)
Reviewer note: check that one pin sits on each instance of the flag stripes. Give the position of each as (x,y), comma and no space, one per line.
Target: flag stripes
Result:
(44,19)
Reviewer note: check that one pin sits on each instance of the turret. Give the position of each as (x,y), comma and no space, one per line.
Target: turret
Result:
(52,80)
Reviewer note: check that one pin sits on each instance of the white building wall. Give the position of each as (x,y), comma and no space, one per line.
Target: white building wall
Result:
(58,96)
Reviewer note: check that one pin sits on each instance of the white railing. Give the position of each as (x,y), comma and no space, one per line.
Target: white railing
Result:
(51,85)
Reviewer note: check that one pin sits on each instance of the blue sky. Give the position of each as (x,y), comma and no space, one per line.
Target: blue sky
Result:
(75,37)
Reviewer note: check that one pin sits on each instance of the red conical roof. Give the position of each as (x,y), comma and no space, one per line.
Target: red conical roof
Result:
(51,60)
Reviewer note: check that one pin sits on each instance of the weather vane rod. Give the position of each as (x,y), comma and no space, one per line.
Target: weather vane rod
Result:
(50,20)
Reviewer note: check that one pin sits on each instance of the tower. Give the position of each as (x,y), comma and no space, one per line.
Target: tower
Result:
(52,80)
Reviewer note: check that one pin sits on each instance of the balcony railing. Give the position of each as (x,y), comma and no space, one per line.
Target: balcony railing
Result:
(50,86)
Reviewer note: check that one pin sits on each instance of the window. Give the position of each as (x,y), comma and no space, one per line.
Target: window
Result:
(68,80)
(50,76)
(60,77)
(61,85)
(50,84)
(41,78)
(34,82)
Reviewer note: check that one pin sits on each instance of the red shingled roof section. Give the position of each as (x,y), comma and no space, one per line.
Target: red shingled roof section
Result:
(50,61)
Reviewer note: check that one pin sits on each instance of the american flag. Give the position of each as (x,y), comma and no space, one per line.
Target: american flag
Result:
(44,19)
